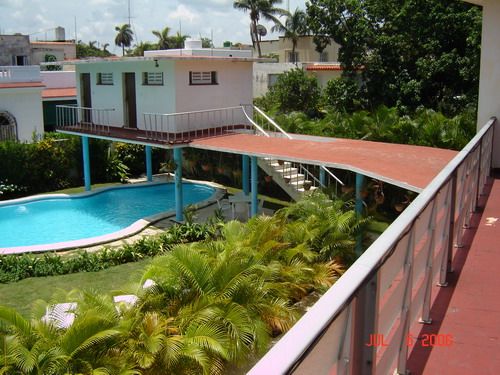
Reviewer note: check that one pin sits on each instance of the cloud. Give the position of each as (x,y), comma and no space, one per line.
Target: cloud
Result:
(184,13)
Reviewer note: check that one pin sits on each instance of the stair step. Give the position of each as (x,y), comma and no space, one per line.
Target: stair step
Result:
(293,177)
(277,166)
(302,190)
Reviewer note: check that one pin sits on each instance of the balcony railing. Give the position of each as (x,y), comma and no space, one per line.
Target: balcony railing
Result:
(15,74)
(175,127)
(388,289)
(92,120)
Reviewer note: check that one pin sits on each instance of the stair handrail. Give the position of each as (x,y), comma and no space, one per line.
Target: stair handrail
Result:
(253,122)
(272,122)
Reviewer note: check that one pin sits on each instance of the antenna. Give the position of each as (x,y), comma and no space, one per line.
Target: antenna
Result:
(76,39)
(288,5)
(129,13)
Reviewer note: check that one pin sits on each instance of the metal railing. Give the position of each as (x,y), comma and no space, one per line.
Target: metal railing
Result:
(267,127)
(30,73)
(92,120)
(182,126)
(388,289)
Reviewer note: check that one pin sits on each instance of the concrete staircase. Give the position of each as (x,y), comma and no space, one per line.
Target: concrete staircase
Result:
(288,177)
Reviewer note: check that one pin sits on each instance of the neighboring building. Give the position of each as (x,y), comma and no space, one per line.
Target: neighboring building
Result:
(60,89)
(323,66)
(266,74)
(52,51)
(167,81)
(15,50)
(20,103)
(304,52)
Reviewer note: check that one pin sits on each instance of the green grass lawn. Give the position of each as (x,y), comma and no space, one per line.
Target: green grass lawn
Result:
(81,189)
(21,294)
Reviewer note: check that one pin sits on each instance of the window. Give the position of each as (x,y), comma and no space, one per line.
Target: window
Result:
(271,79)
(104,78)
(152,78)
(323,57)
(203,78)
(20,60)
(293,57)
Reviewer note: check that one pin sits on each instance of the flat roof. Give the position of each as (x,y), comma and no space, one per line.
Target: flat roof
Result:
(159,57)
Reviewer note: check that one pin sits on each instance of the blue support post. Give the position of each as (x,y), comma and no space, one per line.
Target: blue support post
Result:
(254,182)
(359,211)
(322,176)
(86,163)
(149,164)
(245,174)
(179,206)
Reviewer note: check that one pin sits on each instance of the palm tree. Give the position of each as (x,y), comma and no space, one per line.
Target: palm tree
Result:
(178,40)
(260,9)
(295,26)
(124,37)
(163,38)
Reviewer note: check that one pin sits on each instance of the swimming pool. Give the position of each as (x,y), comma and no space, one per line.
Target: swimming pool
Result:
(55,222)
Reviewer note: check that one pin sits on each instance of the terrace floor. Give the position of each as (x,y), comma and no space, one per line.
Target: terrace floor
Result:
(469,308)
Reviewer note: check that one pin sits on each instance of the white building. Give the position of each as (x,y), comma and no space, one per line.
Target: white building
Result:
(167,81)
(21,115)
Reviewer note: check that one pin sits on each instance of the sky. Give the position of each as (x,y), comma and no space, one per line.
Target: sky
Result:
(96,19)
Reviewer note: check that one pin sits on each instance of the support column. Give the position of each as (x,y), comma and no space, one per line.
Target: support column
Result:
(359,211)
(322,176)
(254,182)
(245,162)
(179,206)
(149,164)
(86,163)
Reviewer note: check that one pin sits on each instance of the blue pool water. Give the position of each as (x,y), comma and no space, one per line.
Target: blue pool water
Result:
(52,220)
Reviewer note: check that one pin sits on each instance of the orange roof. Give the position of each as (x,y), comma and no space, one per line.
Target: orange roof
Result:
(14,85)
(335,67)
(59,92)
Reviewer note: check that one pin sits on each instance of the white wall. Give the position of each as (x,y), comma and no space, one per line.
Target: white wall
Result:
(489,86)
(261,72)
(25,104)
(157,99)
(233,89)
(58,79)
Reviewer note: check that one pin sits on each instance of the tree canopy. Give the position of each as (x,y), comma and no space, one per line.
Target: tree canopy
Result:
(124,37)
(259,9)
(412,53)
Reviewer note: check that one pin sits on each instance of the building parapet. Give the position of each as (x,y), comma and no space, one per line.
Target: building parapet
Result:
(14,74)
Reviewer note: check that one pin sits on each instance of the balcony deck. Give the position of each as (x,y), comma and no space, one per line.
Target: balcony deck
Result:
(469,308)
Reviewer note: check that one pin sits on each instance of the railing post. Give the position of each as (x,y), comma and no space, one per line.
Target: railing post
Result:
(179,216)
(365,317)
(86,163)
(446,265)
(149,163)
(479,171)
(426,306)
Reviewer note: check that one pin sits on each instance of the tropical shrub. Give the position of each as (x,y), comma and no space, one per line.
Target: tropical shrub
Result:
(212,303)
(295,91)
